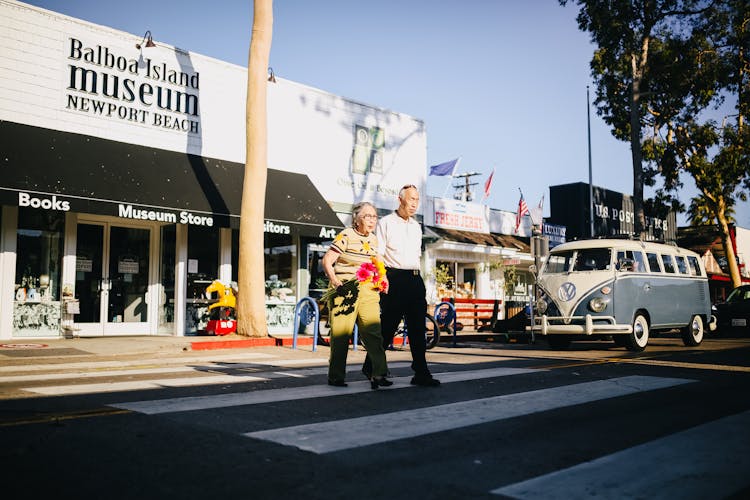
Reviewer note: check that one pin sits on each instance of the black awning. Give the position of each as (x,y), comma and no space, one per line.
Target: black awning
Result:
(55,170)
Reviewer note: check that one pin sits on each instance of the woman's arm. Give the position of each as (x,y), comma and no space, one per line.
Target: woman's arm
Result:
(329,259)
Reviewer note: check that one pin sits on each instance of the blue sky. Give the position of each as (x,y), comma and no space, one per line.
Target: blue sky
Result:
(500,83)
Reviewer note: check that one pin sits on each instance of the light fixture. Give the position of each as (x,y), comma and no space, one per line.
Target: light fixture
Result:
(271,76)
(147,39)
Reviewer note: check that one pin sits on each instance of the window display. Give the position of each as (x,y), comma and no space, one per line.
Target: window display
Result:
(203,269)
(280,259)
(36,308)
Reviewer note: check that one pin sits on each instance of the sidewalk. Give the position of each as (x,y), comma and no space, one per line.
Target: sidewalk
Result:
(138,345)
(18,349)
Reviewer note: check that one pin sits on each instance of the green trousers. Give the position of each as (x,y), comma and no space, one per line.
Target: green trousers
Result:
(364,310)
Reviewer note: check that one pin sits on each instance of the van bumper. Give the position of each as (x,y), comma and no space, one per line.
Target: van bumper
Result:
(543,326)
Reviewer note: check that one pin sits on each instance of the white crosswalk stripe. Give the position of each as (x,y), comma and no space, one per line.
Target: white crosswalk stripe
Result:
(703,462)
(276,395)
(326,437)
(207,373)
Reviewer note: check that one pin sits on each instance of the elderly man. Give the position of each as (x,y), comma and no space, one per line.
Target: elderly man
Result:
(400,245)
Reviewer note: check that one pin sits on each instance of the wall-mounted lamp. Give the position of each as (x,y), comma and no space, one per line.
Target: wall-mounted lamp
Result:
(271,76)
(149,42)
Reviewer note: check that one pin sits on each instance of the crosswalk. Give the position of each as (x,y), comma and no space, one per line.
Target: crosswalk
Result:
(696,458)
(700,462)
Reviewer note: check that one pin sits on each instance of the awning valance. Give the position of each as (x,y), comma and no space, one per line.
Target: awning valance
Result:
(49,169)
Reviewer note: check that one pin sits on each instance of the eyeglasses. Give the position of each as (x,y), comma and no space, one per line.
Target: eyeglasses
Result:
(369,216)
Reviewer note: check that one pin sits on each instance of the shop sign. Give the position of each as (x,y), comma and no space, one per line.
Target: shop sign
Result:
(84,264)
(270,227)
(102,82)
(128,265)
(554,233)
(46,203)
(184,217)
(461,215)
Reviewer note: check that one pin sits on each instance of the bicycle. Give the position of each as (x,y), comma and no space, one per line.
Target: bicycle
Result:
(432,332)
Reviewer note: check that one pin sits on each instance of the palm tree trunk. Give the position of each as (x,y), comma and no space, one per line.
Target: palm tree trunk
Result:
(251,298)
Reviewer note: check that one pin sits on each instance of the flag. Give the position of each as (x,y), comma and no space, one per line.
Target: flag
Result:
(537,215)
(446,168)
(488,184)
(523,209)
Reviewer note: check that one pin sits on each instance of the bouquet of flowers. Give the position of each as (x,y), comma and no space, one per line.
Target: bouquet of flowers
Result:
(369,272)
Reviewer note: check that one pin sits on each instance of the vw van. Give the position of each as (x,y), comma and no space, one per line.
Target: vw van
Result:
(623,290)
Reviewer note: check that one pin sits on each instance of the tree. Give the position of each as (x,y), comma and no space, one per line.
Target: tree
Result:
(700,70)
(251,310)
(623,32)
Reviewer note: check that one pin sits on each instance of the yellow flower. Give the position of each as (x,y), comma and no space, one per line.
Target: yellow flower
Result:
(366,248)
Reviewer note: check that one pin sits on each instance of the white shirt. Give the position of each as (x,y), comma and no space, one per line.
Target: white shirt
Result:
(399,241)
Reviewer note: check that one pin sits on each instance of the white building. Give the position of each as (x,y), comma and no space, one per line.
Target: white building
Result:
(121,176)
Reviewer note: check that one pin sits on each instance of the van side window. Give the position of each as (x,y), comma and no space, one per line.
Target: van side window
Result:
(668,263)
(695,268)
(681,264)
(629,260)
(653,262)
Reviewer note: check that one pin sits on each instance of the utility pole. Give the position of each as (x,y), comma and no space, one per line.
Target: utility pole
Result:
(463,191)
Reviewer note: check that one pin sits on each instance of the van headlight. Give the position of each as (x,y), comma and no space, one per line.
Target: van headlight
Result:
(598,304)
(541,305)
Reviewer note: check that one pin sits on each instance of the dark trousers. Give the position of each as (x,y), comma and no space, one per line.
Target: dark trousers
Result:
(405,299)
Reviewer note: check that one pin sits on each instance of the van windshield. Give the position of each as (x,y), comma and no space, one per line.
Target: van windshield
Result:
(585,259)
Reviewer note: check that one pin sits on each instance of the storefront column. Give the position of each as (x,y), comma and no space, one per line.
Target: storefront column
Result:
(225,255)
(7,269)
(180,279)
(482,289)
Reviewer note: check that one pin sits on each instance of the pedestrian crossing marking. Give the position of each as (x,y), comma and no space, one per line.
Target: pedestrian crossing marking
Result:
(326,437)
(707,461)
(138,363)
(289,394)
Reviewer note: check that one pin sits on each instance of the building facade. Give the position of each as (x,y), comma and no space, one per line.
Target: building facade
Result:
(121,179)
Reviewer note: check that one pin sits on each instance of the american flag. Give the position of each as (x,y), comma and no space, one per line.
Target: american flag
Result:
(523,209)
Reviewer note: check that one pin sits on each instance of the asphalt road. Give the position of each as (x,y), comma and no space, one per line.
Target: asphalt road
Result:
(509,421)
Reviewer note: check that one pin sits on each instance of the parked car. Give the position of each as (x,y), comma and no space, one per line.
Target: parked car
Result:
(734,313)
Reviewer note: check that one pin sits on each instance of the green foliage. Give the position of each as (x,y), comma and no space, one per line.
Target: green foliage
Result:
(442,275)
(664,65)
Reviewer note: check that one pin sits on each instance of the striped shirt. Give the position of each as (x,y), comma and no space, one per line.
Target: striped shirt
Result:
(354,249)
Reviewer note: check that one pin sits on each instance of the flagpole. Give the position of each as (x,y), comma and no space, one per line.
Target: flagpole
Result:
(591,185)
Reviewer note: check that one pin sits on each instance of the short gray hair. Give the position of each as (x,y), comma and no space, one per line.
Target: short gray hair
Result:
(402,191)
(358,208)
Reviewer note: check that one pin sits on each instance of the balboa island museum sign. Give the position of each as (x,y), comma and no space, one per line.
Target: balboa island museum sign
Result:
(103,83)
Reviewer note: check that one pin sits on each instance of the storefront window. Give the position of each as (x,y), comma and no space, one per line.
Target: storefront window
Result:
(318,278)
(280,258)
(203,269)
(36,309)
(166,276)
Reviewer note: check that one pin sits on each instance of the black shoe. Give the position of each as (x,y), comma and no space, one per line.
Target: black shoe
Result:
(337,383)
(376,382)
(425,381)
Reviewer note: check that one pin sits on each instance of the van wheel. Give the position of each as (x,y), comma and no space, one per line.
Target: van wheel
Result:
(638,339)
(692,335)
(558,341)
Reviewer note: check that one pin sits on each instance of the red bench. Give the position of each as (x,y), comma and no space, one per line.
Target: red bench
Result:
(481,313)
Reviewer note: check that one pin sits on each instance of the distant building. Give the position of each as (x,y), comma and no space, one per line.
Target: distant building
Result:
(613,214)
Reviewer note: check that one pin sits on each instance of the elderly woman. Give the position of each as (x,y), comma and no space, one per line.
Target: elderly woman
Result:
(351,248)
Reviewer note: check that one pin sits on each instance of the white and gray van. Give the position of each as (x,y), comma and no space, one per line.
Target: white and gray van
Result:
(621,289)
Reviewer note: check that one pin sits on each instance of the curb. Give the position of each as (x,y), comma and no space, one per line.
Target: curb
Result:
(245,343)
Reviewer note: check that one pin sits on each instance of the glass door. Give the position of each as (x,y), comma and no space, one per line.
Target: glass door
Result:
(112,279)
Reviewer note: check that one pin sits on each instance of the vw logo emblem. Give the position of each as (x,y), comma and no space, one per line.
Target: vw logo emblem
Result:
(566,291)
